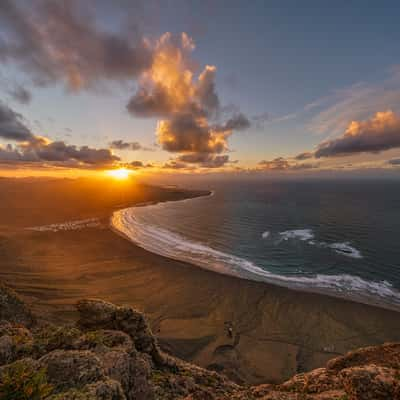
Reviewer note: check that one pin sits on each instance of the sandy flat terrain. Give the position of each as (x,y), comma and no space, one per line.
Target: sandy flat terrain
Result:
(275,331)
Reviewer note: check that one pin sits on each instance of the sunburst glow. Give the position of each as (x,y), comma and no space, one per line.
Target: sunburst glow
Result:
(121,173)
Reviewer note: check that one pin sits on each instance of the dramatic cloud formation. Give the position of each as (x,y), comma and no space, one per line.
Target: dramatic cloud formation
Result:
(58,41)
(61,41)
(381,132)
(170,90)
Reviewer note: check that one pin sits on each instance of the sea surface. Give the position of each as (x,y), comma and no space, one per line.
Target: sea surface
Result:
(336,238)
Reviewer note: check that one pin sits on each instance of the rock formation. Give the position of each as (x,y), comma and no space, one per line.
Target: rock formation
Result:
(111,354)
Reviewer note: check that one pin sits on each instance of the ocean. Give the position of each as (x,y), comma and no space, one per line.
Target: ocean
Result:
(332,237)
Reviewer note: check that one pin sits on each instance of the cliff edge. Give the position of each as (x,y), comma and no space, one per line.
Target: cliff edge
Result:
(111,354)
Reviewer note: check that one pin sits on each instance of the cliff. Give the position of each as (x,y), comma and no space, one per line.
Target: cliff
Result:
(111,354)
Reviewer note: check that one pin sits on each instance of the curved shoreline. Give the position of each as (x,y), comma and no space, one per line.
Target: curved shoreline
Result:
(368,291)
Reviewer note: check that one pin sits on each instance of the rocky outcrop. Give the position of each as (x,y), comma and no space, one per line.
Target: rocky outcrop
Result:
(111,354)
(13,309)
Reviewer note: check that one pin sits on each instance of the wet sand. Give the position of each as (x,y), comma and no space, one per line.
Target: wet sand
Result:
(275,332)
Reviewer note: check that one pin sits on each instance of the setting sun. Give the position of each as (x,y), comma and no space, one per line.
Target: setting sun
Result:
(121,173)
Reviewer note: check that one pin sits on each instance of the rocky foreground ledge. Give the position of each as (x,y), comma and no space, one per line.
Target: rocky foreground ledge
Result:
(111,354)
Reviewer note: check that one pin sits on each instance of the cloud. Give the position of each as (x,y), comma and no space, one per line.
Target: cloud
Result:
(12,126)
(186,105)
(304,156)
(379,133)
(58,41)
(136,164)
(279,163)
(20,94)
(395,161)
(186,134)
(122,145)
(204,160)
(356,102)
(284,164)
(33,148)
(59,153)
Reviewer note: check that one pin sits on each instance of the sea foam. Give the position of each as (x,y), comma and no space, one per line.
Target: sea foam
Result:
(173,245)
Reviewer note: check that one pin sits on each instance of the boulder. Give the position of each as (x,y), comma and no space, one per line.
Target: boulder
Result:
(132,370)
(98,314)
(71,368)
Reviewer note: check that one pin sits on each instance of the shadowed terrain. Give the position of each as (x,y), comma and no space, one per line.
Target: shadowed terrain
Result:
(253,332)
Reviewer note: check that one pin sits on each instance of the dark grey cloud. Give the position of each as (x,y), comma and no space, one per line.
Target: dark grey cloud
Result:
(279,163)
(122,145)
(12,126)
(55,40)
(304,156)
(59,153)
(186,134)
(204,160)
(20,94)
(283,164)
(33,148)
(395,161)
(380,133)
(238,122)
(151,103)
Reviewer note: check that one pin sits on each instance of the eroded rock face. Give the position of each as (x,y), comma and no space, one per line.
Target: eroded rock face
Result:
(98,314)
(112,355)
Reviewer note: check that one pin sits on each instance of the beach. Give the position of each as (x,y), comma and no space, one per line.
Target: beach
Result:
(253,332)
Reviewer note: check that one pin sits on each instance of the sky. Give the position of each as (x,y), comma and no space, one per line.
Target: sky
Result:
(184,87)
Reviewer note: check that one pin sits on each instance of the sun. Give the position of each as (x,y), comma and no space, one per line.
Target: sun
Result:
(121,173)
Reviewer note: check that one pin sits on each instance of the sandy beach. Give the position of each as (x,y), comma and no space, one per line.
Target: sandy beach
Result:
(275,332)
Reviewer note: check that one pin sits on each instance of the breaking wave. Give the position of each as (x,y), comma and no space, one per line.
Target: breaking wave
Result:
(307,235)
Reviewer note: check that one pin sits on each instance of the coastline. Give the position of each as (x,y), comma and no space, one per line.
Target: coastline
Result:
(276,331)
(249,271)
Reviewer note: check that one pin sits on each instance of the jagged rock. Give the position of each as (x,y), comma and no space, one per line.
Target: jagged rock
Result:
(132,370)
(13,309)
(71,368)
(98,314)
(114,356)
(386,355)
(371,382)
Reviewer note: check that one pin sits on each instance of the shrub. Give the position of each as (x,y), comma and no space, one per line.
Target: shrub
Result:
(21,381)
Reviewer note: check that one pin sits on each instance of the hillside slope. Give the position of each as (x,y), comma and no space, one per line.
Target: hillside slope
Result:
(111,354)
